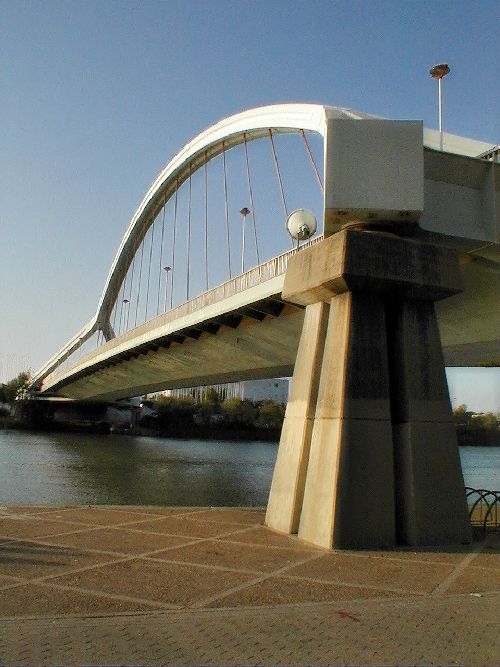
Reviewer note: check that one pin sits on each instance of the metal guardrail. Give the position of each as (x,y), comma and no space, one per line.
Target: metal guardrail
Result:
(484,507)
(493,154)
(251,278)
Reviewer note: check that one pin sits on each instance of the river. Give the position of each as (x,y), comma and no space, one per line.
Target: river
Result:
(82,469)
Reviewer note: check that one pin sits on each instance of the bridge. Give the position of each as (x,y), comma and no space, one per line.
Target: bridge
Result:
(401,279)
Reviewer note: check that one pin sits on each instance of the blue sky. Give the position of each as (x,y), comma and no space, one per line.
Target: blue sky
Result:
(96,97)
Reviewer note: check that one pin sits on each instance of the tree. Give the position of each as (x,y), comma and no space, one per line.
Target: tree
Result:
(174,411)
(473,428)
(15,389)
(463,417)
(238,411)
(209,406)
(487,421)
(271,415)
(212,396)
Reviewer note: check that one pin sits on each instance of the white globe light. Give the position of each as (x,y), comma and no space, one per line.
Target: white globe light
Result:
(301,224)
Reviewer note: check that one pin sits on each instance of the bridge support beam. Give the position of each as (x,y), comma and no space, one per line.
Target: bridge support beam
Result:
(368,456)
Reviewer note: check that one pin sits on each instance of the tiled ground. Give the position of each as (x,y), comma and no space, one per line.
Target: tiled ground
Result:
(116,585)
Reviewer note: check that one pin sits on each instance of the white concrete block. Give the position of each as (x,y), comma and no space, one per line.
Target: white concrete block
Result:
(374,170)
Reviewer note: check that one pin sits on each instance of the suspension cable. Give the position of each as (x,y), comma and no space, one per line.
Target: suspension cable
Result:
(120,322)
(124,300)
(119,303)
(174,235)
(139,284)
(311,157)
(226,207)
(115,311)
(130,290)
(206,224)
(278,174)
(188,235)
(161,256)
(149,269)
(250,194)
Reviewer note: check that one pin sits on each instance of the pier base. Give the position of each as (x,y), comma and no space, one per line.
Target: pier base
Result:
(368,455)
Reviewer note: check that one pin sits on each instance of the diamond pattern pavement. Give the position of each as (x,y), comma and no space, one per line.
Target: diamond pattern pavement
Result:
(125,585)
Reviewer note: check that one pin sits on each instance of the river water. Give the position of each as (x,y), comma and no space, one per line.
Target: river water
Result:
(82,469)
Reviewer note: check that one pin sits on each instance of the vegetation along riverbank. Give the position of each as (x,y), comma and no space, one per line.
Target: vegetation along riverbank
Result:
(212,417)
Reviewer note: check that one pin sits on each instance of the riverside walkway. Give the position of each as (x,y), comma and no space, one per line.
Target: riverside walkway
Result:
(146,585)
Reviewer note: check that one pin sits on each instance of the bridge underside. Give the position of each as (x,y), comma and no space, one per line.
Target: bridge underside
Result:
(469,322)
(229,349)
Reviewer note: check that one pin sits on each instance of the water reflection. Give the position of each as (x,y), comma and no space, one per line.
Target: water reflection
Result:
(64,468)
(78,469)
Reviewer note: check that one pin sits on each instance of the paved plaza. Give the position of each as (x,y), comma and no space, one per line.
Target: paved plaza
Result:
(191,586)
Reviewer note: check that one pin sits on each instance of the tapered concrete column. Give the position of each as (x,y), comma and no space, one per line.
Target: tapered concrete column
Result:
(381,457)
(431,506)
(287,488)
(349,495)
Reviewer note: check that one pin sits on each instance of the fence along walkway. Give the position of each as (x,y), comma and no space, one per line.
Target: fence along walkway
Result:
(484,507)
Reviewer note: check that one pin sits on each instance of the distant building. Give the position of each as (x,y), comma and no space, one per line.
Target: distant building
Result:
(275,389)
(266,390)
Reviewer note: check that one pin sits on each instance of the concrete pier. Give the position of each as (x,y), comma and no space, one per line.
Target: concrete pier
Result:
(378,464)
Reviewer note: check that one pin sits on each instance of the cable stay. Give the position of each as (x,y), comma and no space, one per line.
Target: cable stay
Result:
(250,194)
(161,255)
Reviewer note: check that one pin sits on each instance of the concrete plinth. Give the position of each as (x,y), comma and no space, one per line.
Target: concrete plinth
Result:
(368,456)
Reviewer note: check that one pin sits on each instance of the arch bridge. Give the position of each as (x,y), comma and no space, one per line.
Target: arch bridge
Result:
(401,278)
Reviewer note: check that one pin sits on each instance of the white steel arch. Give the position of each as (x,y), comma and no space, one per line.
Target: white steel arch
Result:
(226,134)
(223,135)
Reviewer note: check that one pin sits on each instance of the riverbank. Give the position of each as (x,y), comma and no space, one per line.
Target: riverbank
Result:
(228,433)
(194,432)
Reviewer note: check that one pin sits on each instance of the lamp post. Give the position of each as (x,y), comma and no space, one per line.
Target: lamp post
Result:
(439,72)
(167,270)
(244,212)
(124,308)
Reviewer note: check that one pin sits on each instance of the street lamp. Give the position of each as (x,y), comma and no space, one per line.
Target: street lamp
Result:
(439,72)
(167,270)
(124,310)
(244,212)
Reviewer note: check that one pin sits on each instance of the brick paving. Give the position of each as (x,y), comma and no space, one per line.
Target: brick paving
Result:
(191,586)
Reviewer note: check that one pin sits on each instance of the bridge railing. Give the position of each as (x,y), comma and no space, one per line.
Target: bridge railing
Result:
(260,274)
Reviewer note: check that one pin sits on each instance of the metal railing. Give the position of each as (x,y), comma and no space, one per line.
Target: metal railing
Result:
(492,155)
(484,507)
(251,278)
